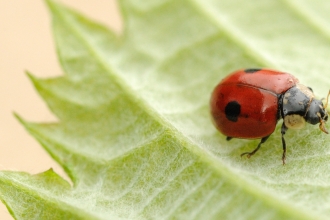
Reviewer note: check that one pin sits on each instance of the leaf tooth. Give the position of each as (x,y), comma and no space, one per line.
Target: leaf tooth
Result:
(84,46)
(34,192)
(61,104)
(49,144)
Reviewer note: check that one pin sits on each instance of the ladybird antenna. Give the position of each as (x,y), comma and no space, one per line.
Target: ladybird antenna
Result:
(326,104)
(322,123)
(322,127)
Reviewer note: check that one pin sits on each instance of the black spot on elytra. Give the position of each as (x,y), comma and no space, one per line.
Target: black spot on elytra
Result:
(252,70)
(232,111)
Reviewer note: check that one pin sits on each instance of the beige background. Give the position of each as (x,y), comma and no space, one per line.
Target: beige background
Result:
(26,44)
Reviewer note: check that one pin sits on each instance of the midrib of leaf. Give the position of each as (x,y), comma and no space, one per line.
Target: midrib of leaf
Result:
(175,133)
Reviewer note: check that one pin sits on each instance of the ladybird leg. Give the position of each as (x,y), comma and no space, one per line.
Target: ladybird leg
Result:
(229,138)
(283,130)
(249,154)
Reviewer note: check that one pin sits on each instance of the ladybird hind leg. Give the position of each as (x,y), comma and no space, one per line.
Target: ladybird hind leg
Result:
(229,138)
(283,130)
(249,154)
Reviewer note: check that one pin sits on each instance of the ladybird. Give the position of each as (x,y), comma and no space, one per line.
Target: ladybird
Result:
(249,103)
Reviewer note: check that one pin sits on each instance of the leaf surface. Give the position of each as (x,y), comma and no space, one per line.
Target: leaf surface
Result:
(134,131)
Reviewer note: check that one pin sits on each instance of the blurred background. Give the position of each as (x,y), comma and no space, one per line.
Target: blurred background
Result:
(26,43)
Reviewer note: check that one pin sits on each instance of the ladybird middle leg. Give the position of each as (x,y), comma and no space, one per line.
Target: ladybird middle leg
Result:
(249,154)
(283,130)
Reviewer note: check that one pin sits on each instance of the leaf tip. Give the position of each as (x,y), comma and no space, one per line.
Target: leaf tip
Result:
(19,118)
(30,75)
(36,82)
(22,121)
(50,3)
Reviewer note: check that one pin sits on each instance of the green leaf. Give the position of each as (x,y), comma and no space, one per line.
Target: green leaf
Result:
(134,131)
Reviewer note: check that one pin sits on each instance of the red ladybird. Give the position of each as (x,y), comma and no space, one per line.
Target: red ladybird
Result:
(248,104)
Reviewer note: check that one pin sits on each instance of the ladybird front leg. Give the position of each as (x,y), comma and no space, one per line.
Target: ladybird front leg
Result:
(249,154)
(283,130)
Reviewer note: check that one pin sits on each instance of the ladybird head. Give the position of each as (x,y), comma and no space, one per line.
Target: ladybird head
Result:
(317,113)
